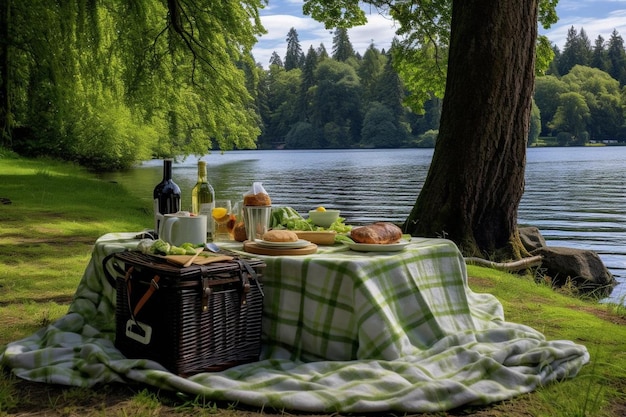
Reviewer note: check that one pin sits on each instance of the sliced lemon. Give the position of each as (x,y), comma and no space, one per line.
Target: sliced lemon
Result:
(320,208)
(219,213)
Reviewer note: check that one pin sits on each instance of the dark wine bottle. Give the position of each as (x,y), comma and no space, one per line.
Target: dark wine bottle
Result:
(166,196)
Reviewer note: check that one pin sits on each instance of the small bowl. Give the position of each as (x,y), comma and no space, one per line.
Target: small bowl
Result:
(323,218)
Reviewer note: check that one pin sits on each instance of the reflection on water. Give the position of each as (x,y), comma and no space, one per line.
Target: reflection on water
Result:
(575,196)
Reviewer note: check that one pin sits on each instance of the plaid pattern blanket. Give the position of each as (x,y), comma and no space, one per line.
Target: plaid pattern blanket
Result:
(343,332)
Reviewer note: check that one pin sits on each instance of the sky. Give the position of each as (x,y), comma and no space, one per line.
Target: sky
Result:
(596,17)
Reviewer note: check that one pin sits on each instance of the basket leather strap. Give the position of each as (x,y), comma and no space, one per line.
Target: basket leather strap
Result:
(154,285)
(252,273)
(246,272)
(127,276)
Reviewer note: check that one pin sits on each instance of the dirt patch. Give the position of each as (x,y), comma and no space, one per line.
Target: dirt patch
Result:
(52,240)
(61,299)
(603,314)
(482,282)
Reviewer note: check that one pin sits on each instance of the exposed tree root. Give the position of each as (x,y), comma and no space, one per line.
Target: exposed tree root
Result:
(513,266)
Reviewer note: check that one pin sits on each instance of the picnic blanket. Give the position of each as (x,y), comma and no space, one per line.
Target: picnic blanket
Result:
(343,332)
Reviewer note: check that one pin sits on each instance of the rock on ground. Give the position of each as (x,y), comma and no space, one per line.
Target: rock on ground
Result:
(569,266)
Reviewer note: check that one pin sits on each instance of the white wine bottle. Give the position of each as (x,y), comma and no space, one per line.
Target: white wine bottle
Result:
(166,196)
(203,198)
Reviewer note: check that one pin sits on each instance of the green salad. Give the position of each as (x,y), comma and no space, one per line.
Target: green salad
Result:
(289,219)
(161,247)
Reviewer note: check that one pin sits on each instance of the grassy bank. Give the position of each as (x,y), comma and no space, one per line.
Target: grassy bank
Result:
(57,211)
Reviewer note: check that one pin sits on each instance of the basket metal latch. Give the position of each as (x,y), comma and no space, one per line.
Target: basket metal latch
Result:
(206,293)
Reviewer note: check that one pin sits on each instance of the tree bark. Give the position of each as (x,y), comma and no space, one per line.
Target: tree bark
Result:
(476,179)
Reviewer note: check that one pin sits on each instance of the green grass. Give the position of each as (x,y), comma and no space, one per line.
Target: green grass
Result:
(59,210)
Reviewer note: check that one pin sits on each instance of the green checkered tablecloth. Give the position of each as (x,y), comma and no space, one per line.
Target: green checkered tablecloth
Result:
(343,332)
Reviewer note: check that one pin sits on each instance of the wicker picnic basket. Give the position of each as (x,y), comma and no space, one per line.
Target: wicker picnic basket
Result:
(197,319)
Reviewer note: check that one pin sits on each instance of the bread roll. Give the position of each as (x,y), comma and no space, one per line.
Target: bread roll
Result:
(280,236)
(377,233)
(259,199)
(239,232)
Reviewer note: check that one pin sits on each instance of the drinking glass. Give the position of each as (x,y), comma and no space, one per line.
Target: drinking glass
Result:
(222,217)
(257,220)
(235,217)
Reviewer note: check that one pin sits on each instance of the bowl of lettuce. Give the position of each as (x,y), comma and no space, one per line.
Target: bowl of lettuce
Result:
(290,219)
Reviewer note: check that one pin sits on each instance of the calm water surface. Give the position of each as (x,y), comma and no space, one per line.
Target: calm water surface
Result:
(575,196)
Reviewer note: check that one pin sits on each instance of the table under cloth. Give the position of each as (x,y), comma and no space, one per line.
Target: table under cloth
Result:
(343,332)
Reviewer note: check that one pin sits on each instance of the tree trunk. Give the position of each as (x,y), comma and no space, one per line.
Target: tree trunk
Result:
(5,103)
(476,178)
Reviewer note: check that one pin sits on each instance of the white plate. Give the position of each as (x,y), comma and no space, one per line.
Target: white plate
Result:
(301,243)
(373,247)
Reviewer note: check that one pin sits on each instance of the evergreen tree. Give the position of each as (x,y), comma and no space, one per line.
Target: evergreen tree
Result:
(263,93)
(380,128)
(294,57)
(429,120)
(553,68)
(308,81)
(577,51)
(370,70)
(308,70)
(342,48)
(599,55)
(617,58)
(283,96)
(276,60)
(336,104)
(584,45)
(322,53)
(389,90)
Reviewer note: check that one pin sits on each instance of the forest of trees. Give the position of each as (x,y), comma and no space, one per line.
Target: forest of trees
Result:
(79,90)
(582,98)
(338,99)
(348,100)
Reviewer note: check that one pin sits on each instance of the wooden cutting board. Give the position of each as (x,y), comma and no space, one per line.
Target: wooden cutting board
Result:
(200,260)
(319,238)
(252,247)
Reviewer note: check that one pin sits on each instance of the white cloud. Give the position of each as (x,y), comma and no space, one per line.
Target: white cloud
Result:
(379,29)
(280,16)
(593,27)
(596,17)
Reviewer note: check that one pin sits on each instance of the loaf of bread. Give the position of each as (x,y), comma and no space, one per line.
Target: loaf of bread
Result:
(280,236)
(258,199)
(377,233)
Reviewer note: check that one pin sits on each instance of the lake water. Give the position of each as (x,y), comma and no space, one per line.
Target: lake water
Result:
(575,196)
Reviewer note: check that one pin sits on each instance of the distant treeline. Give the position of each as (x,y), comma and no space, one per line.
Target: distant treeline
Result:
(317,100)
